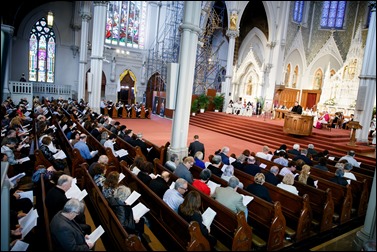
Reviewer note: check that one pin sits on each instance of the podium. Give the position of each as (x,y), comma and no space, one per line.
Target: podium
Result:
(353,125)
(297,124)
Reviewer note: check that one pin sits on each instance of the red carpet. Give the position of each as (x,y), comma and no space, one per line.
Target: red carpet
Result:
(259,131)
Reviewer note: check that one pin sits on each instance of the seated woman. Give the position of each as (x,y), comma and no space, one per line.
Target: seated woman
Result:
(124,211)
(304,176)
(324,118)
(258,189)
(287,184)
(190,211)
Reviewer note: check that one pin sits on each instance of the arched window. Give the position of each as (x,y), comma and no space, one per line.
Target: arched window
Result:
(126,21)
(42,44)
(333,14)
(298,11)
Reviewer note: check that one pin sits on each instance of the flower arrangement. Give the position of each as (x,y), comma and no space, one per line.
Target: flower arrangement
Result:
(330,101)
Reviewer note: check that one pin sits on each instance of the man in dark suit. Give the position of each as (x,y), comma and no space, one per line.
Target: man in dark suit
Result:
(160,184)
(196,146)
(139,142)
(271,177)
(303,156)
(251,168)
(297,108)
(128,137)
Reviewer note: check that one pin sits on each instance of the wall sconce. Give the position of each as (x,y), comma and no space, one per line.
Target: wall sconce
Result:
(50,19)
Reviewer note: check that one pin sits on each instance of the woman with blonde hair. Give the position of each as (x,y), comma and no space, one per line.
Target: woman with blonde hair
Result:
(304,176)
(258,189)
(287,184)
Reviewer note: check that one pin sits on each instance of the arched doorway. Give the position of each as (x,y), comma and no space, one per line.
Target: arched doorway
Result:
(127,92)
(103,86)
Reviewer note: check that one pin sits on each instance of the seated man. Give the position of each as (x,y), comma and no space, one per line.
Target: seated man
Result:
(323,119)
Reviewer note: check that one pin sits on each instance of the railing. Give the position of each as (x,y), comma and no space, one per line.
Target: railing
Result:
(24,89)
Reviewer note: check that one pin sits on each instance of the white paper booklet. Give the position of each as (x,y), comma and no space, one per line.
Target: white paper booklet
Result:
(60,155)
(93,237)
(21,160)
(121,176)
(28,222)
(132,198)
(246,199)
(139,210)
(331,158)
(208,217)
(121,153)
(231,160)
(172,185)
(212,185)
(13,179)
(135,170)
(93,153)
(149,149)
(64,127)
(27,194)
(263,166)
(20,246)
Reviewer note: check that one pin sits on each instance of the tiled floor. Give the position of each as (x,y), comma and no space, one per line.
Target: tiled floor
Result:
(344,242)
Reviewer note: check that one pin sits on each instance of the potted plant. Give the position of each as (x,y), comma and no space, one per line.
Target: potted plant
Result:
(203,102)
(194,107)
(218,102)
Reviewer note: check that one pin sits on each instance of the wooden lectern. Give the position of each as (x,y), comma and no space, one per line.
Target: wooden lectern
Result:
(297,124)
(354,125)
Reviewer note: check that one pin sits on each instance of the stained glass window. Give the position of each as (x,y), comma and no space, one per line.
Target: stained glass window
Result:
(125,24)
(42,52)
(298,11)
(333,14)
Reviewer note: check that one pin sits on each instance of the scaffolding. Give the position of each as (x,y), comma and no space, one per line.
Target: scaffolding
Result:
(208,65)
(167,43)
(167,46)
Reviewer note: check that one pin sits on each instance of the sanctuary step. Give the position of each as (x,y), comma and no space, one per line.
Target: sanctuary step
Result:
(265,131)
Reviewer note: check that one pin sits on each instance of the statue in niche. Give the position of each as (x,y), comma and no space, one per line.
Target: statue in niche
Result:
(352,69)
(233,21)
(318,81)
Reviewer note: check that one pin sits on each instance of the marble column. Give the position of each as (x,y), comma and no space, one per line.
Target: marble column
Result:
(98,40)
(85,17)
(367,89)
(232,34)
(6,58)
(368,232)
(187,57)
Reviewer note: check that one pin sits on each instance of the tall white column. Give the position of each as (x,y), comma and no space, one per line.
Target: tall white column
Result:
(367,88)
(98,40)
(232,34)
(6,57)
(187,56)
(368,232)
(85,17)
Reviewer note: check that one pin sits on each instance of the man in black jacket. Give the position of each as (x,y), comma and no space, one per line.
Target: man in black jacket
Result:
(297,108)
(196,146)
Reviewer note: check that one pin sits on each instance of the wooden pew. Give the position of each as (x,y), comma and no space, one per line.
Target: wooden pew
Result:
(296,209)
(360,191)
(342,196)
(165,220)
(132,150)
(114,230)
(96,145)
(229,228)
(321,201)
(46,219)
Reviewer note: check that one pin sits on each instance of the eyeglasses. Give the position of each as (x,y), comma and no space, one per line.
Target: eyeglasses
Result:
(185,189)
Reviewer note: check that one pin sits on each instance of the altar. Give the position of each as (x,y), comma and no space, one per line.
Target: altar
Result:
(297,124)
